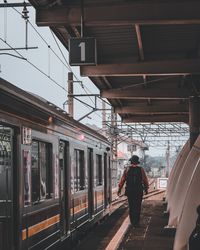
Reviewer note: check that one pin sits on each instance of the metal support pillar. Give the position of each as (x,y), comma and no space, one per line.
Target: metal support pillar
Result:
(114,134)
(194,119)
(70,95)
(114,144)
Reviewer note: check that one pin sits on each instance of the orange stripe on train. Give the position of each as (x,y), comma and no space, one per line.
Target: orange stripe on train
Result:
(55,219)
(40,226)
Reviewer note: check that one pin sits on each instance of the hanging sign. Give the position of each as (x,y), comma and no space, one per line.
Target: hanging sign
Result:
(82,51)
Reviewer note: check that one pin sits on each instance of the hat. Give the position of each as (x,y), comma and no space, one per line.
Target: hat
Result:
(134,159)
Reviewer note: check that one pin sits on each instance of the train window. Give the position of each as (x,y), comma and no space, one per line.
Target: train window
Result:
(41,172)
(5,170)
(99,174)
(79,171)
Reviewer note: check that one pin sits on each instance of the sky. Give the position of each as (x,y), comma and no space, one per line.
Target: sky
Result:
(24,75)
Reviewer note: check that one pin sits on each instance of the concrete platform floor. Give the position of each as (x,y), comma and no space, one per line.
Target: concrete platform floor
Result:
(150,235)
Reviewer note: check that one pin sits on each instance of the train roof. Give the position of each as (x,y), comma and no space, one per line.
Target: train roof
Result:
(40,105)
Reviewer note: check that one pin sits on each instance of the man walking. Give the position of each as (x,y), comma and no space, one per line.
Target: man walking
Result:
(136,181)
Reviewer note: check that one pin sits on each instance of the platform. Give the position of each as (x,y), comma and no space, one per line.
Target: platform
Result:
(150,235)
(117,233)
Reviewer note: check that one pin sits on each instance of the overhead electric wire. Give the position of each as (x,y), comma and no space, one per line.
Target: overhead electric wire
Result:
(39,69)
(34,66)
(66,64)
(5,23)
(78,80)
(70,66)
(75,75)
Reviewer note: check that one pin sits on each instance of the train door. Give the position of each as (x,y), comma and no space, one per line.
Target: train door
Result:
(6,188)
(64,187)
(105,181)
(90,182)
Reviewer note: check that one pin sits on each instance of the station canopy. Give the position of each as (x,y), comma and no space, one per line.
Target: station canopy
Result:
(148,52)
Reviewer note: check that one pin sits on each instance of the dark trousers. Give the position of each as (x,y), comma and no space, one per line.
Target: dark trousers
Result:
(134,201)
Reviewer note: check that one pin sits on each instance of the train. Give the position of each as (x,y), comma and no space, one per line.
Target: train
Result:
(55,173)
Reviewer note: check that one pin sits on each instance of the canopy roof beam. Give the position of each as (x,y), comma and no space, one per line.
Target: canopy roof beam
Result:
(144,13)
(153,93)
(167,67)
(149,109)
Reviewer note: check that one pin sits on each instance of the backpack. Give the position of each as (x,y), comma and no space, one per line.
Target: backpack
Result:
(134,179)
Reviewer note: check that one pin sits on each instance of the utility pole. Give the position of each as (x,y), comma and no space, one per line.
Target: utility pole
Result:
(131,143)
(104,117)
(114,134)
(144,158)
(167,158)
(70,95)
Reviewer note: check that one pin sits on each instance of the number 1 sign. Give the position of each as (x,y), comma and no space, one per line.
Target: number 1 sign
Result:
(82,51)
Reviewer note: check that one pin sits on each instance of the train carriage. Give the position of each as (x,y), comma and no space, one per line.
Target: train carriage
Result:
(55,173)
